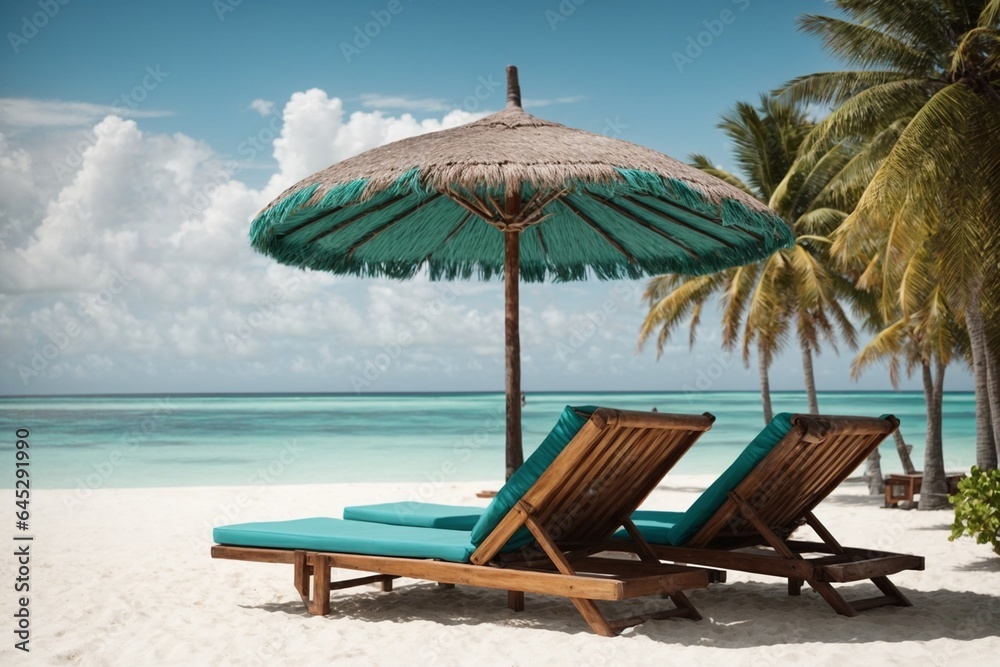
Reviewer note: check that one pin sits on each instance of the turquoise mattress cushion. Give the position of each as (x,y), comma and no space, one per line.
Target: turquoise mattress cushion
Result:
(422,515)
(353,537)
(653,524)
(570,422)
(709,502)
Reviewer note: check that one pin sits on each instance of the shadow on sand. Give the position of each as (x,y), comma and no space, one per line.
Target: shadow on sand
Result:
(739,615)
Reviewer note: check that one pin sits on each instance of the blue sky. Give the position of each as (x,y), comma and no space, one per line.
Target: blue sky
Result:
(137,140)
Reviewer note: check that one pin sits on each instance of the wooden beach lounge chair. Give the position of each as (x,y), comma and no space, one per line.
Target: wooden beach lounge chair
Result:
(537,536)
(745,519)
(748,525)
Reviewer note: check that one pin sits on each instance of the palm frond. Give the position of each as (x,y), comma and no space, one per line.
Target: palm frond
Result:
(814,180)
(866,45)
(926,25)
(702,162)
(886,345)
(990,16)
(819,222)
(676,305)
(874,109)
(844,189)
(833,88)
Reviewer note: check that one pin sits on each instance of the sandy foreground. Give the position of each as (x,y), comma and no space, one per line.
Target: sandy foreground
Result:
(123,576)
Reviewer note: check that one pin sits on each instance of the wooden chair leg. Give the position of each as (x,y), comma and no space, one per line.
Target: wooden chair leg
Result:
(687,610)
(595,619)
(794,586)
(890,596)
(386,584)
(302,574)
(890,591)
(515,600)
(833,598)
(609,628)
(320,605)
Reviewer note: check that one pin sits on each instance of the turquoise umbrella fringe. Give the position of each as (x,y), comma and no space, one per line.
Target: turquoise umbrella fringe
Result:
(266,233)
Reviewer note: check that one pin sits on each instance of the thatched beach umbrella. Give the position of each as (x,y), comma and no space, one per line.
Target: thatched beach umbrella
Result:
(517,195)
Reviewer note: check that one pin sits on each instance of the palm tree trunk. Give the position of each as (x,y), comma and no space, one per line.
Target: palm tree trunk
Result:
(763,364)
(904,452)
(986,449)
(873,474)
(807,370)
(993,389)
(934,487)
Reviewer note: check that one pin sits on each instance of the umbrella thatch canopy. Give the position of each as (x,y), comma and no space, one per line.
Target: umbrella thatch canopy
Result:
(516,195)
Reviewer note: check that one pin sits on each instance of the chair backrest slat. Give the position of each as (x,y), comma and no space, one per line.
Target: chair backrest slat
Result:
(800,471)
(612,464)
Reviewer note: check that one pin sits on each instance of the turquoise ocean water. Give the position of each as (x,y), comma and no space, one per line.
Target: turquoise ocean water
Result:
(147,441)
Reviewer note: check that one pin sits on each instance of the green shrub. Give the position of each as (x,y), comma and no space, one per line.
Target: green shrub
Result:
(977,508)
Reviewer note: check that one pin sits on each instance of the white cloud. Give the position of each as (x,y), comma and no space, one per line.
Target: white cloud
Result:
(25,112)
(263,107)
(139,259)
(132,272)
(376,101)
(530,102)
(316,133)
(18,203)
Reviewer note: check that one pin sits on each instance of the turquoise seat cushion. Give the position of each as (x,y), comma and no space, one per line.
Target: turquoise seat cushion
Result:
(654,525)
(569,424)
(709,502)
(353,537)
(422,515)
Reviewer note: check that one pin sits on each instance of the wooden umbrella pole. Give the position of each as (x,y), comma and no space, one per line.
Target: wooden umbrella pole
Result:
(511,277)
(515,455)
(513,88)
(511,273)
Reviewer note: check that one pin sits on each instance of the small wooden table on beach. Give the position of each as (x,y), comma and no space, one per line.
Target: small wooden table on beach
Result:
(909,486)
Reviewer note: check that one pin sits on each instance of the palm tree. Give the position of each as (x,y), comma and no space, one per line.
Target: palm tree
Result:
(928,338)
(929,72)
(674,299)
(795,289)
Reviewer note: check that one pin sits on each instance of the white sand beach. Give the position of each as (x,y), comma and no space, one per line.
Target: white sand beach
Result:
(124,577)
